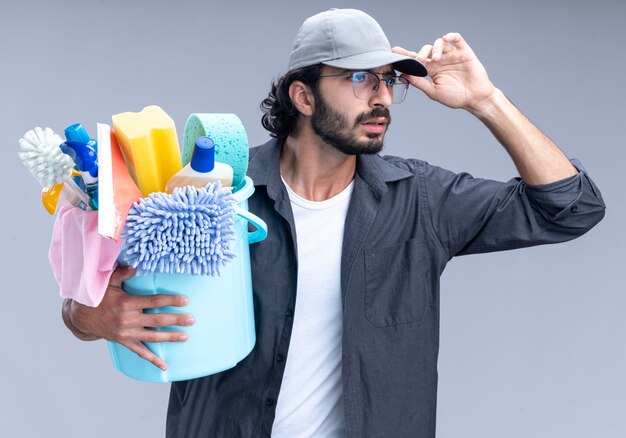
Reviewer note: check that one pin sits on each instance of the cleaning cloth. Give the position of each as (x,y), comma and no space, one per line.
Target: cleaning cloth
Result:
(82,261)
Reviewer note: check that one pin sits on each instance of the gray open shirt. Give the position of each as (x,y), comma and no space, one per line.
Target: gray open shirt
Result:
(406,220)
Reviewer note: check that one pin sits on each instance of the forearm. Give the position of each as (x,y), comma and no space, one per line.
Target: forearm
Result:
(537,158)
(67,319)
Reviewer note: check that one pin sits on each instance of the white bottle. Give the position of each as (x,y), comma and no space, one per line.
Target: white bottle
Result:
(202,169)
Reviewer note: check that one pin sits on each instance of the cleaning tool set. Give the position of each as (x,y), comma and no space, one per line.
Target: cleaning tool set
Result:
(221,300)
(192,241)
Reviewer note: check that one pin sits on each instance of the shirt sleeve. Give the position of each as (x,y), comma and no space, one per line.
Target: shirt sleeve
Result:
(472,215)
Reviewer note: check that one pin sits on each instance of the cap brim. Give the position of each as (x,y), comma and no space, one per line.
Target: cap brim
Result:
(365,61)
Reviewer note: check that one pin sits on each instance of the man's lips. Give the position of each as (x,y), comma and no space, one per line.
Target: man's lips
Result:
(376,125)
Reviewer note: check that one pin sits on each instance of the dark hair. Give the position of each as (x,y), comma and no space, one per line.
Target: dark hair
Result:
(280,116)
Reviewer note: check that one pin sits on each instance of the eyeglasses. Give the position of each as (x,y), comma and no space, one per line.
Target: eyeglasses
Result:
(366,84)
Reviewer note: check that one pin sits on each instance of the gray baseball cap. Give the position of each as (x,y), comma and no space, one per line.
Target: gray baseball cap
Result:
(350,39)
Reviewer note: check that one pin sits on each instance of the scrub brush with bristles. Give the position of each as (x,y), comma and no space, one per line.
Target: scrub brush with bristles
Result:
(45,160)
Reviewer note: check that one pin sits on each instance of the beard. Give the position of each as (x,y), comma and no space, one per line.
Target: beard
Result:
(333,127)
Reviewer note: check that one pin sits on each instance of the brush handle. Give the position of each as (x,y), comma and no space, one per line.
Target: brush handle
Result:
(72,185)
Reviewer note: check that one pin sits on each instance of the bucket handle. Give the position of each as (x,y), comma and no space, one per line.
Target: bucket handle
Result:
(261,227)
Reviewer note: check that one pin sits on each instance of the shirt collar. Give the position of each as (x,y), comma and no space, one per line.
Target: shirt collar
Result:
(373,169)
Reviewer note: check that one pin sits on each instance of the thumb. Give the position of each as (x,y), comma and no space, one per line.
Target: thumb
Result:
(121,273)
(422,84)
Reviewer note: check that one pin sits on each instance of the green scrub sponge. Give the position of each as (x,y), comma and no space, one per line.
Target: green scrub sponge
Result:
(229,136)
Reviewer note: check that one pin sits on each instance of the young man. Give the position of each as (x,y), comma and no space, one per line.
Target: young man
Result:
(347,283)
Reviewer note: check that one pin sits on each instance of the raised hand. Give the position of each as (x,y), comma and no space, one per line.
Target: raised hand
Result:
(459,80)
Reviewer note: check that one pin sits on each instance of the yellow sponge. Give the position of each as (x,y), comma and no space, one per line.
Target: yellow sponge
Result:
(150,147)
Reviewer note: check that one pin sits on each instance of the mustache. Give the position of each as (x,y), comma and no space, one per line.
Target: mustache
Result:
(375,113)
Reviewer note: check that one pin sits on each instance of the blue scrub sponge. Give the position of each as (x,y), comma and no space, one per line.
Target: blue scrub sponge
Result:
(229,136)
(186,232)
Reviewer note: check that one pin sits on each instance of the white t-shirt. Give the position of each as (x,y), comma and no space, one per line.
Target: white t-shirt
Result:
(310,402)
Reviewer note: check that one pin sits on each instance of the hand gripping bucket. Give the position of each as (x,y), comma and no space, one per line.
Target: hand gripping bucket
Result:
(223,333)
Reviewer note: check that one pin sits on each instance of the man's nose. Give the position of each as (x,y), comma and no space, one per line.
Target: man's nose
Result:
(382,97)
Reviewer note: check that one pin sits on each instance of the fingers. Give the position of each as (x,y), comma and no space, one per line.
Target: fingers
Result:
(134,340)
(156,336)
(131,332)
(121,273)
(422,84)
(134,329)
(456,39)
(159,300)
(437,50)
(165,319)
(137,302)
(403,51)
(144,352)
(132,314)
(120,317)
(445,44)
(128,317)
(433,52)
(424,53)
(423,56)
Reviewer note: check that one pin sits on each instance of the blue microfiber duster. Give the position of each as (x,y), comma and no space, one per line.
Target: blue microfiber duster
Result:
(186,232)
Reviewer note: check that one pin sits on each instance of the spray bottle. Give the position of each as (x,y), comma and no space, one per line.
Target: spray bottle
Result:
(84,152)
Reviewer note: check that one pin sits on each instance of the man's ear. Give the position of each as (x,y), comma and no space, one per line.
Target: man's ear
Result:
(302,98)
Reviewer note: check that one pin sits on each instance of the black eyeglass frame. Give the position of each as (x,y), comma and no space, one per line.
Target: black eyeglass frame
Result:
(386,79)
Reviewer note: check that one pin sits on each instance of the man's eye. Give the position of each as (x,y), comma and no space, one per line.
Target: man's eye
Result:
(391,81)
(359,77)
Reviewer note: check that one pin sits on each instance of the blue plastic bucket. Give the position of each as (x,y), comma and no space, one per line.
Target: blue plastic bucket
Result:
(223,333)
